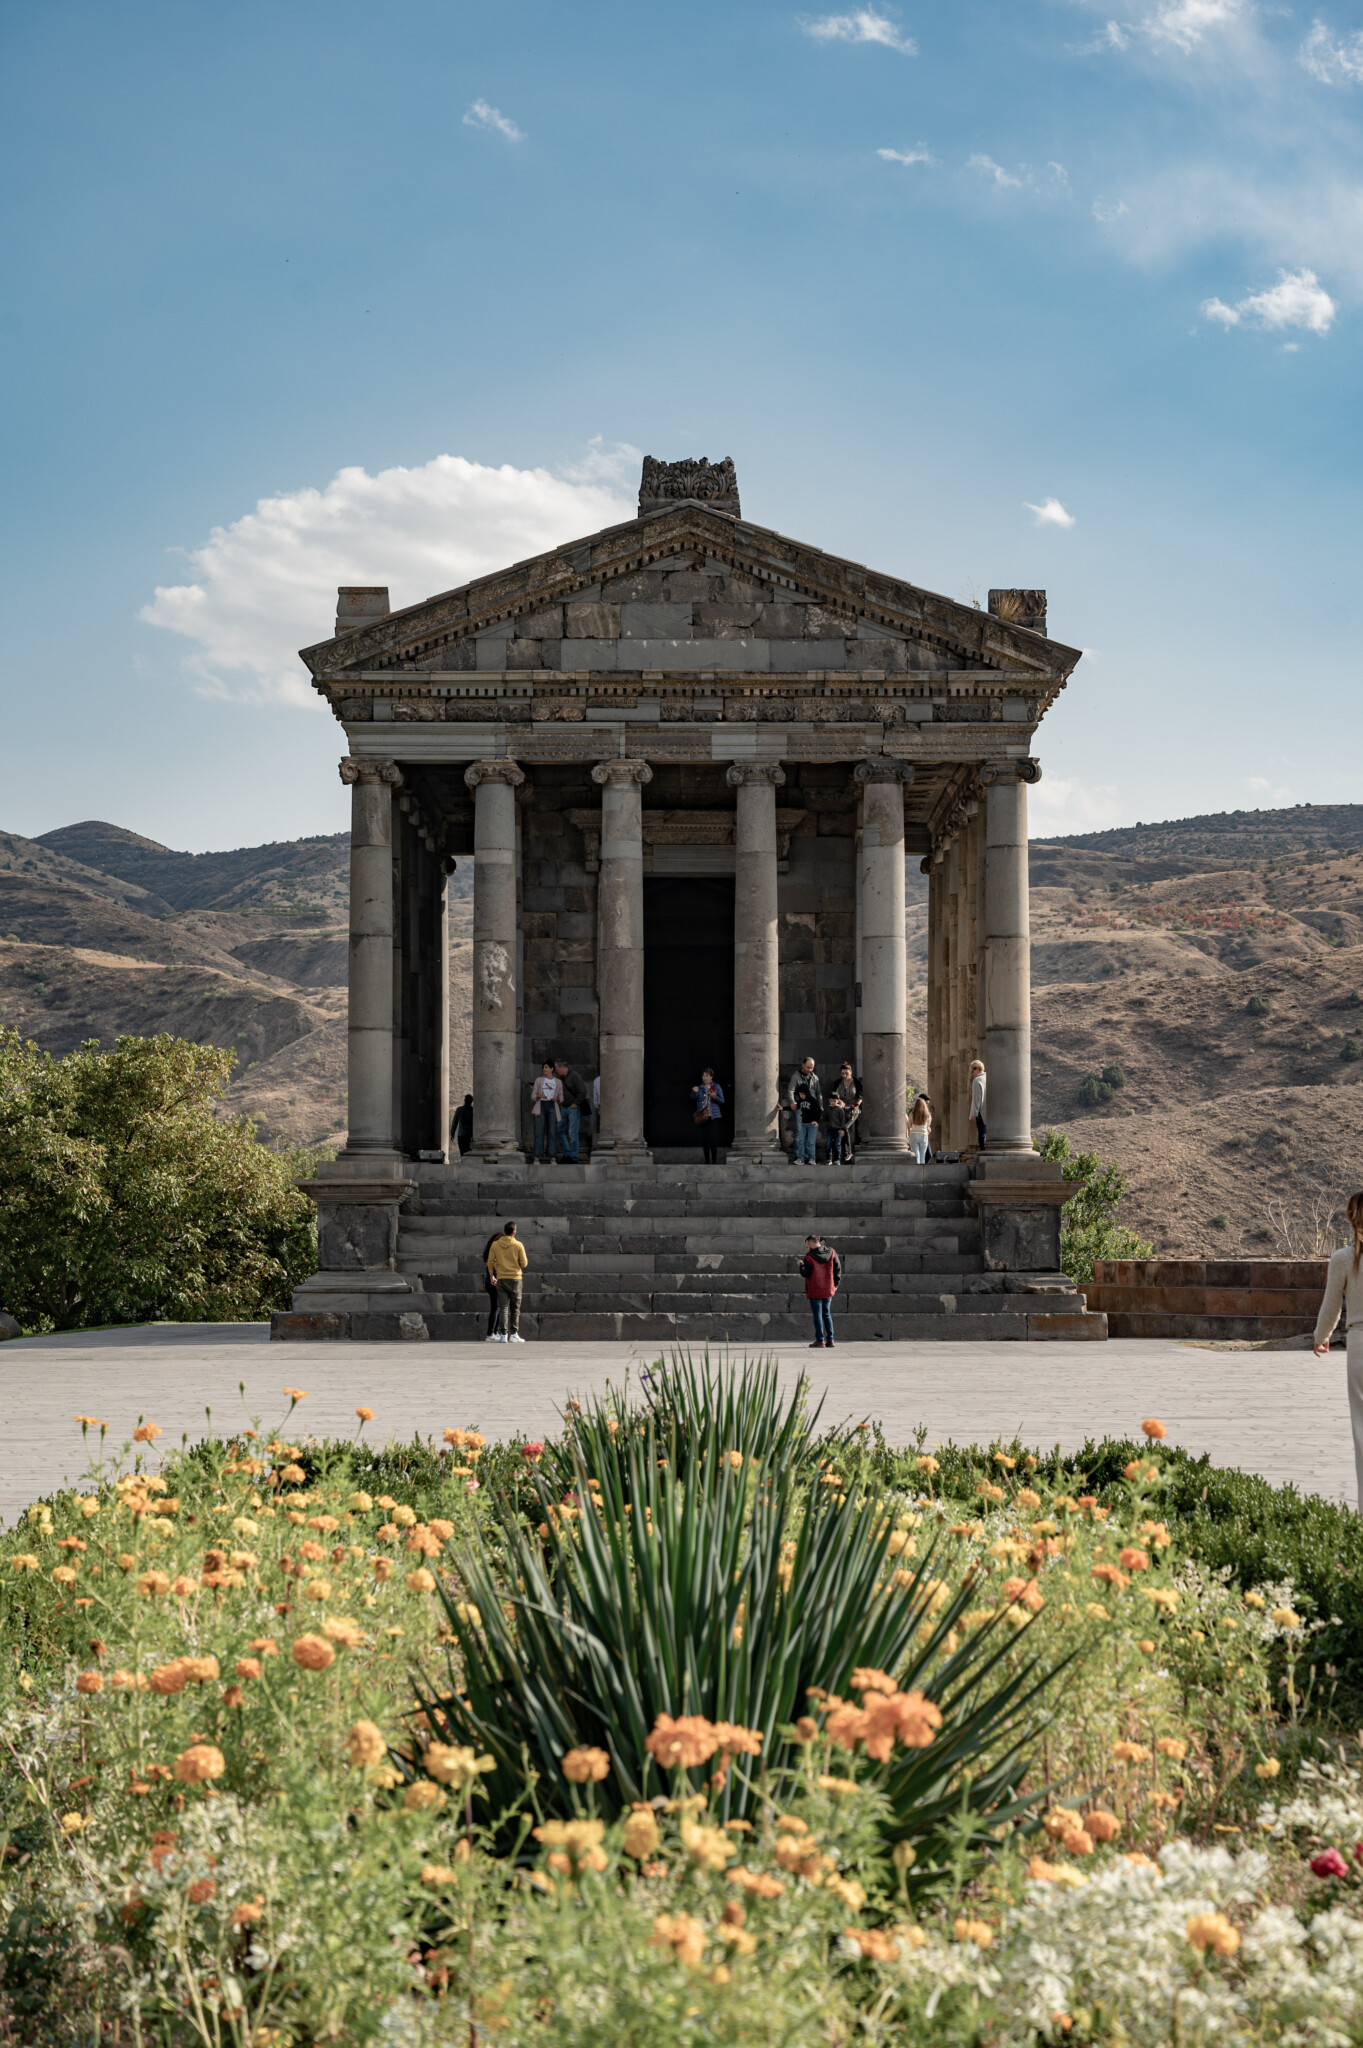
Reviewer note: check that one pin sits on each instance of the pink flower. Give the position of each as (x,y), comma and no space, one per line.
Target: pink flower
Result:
(532,1451)
(1329,1863)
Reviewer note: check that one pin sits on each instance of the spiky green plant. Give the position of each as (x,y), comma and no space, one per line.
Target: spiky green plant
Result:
(721,1578)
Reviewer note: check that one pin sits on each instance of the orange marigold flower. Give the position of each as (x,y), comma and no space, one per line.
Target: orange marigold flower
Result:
(169,1678)
(264,1646)
(1172,1746)
(1110,1576)
(1131,1752)
(249,1913)
(198,1763)
(1078,1841)
(339,1628)
(731,1740)
(365,1744)
(759,1882)
(866,1679)
(1024,1593)
(905,1717)
(152,1584)
(977,1931)
(684,1935)
(641,1836)
(90,1681)
(1060,1820)
(1133,1560)
(927,1465)
(1212,1931)
(365,1414)
(313,1653)
(1026,1498)
(586,1766)
(201,1669)
(201,1891)
(146,1433)
(1102,1825)
(421,1581)
(1154,1428)
(683,1743)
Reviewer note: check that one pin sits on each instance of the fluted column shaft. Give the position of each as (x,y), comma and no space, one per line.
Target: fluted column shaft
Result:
(1008,962)
(620,956)
(883,964)
(495,1080)
(757,1006)
(369,1053)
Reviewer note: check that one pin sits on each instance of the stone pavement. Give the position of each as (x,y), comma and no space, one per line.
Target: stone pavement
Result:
(1284,1414)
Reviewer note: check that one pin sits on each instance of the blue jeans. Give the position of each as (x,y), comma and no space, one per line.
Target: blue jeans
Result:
(569,1123)
(806,1137)
(822,1311)
(544,1134)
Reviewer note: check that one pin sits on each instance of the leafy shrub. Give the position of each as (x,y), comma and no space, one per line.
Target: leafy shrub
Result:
(1256,1007)
(1093,1090)
(125,1195)
(1089,1228)
(1114,1075)
(1352,1049)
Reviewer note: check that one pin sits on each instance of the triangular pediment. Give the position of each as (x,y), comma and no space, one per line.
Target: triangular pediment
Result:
(688,588)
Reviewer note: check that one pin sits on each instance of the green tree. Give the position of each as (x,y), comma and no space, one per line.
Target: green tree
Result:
(1089,1228)
(126,1194)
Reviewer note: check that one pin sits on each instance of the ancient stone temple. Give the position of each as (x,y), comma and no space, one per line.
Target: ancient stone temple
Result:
(688,758)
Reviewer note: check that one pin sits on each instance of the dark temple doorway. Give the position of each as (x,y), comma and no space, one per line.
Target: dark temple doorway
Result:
(688,1002)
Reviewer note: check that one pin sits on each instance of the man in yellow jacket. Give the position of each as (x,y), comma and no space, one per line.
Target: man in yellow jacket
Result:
(506,1261)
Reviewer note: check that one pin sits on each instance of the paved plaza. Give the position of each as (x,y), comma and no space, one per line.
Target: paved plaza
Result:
(1284,1414)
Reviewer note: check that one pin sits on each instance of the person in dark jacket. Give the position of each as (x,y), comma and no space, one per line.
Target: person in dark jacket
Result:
(707,1107)
(461,1125)
(575,1099)
(821,1271)
(804,1096)
(490,1286)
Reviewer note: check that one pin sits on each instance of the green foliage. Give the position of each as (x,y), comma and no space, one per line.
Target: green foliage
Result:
(709,1577)
(1256,1007)
(1352,1049)
(1101,1085)
(1089,1228)
(125,1195)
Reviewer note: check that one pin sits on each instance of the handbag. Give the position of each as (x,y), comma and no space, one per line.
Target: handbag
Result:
(701,1113)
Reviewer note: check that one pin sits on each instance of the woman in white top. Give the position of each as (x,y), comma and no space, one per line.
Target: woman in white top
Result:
(1344,1290)
(547,1096)
(977,1088)
(920,1129)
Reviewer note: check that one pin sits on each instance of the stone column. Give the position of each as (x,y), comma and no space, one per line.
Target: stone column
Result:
(970,980)
(951,870)
(495,1076)
(620,957)
(369,1073)
(932,869)
(1008,962)
(757,1007)
(883,964)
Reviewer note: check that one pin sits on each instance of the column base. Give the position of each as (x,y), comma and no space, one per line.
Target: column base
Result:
(621,1152)
(884,1145)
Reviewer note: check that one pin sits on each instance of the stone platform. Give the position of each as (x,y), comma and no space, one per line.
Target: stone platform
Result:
(661,1253)
(1246,1299)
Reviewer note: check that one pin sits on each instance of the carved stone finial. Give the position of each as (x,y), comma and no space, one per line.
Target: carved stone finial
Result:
(883,769)
(370,771)
(712,484)
(622,771)
(755,771)
(494,771)
(1019,608)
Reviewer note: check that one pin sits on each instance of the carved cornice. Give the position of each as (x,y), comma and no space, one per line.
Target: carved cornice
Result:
(353,771)
(494,771)
(748,771)
(618,772)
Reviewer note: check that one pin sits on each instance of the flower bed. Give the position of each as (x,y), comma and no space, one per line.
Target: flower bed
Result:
(689,1725)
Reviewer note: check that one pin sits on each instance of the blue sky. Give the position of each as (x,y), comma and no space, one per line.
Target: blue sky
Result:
(301,294)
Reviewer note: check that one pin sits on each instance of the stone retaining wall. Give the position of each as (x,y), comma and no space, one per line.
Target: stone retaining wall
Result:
(1245,1298)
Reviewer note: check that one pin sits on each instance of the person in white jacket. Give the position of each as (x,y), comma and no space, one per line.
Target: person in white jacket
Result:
(1344,1291)
(977,1091)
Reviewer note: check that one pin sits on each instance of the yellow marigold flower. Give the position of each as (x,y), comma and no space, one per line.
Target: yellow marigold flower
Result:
(1102,1825)
(1002,1458)
(264,1646)
(838,1786)
(423,1542)
(365,1744)
(1131,1752)
(438,1526)
(360,1503)
(404,1518)
(1109,1575)
(903,1856)
(423,1797)
(682,1743)
(642,1835)
(576,1843)
(1269,1768)
(317,1589)
(72,1823)
(326,1523)
(1096,1611)
(152,1584)
(456,1766)
(90,1681)
(1212,1931)
(1286,1617)
(1161,1596)
(64,1574)
(25,1561)
(867,1679)
(242,1525)
(421,1581)
(249,1914)
(1026,1498)
(977,1931)
(339,1628)
(1059,1820)
(1158,1534)
(313,1653)
(1139,1860)
(711,1848)
(438,1873)
(1146,1646)
(586,1766)
(1154,1428)
(198,1763)
(1255,1599)
(684,1935)
(760,1883)
(988,1492)
(851,1894)
(927,1465)
(466,1612)
(1042,1871)
(201,1670)
(1170,1745)
(293,1474)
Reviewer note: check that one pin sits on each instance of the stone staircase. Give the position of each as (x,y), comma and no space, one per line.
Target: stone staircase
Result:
(694,1254)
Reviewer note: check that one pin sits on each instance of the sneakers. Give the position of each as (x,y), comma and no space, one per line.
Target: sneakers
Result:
(495,1338)
(515,1338)
(817,1345)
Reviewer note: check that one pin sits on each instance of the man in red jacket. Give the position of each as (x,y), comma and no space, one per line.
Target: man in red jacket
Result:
(821,1270)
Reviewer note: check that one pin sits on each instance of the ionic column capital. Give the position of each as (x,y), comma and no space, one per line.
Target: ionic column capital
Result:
(743,772)
(619,772)
(1010,771)
(882,769)
(353,771)
(494,771)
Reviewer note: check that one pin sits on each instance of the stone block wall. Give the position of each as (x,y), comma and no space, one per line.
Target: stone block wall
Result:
(1209,1298)
(560,1018)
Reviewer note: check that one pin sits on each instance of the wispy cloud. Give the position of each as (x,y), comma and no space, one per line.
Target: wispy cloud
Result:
(993,170)
(1107,210)
(481,115)
(864,26)
(1183,24)
(1050,512)
(1057,805)
(266,584)
(1298,299)
(906,156)
(1332,62)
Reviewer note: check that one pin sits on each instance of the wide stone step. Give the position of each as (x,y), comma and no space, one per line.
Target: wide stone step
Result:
(721,1331)
(700,1288)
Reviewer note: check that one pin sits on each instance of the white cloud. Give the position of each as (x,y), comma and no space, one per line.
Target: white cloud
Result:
(1298,299)
(906,156)
(481,115)
(1184,23)
(1106,211)
(1049,513)
(266,585)
(995,171)
(864,26)
(1333,63)
(1056,806)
